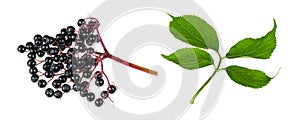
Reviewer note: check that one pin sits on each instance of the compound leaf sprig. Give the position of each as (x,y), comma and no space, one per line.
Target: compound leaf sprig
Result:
(197,32)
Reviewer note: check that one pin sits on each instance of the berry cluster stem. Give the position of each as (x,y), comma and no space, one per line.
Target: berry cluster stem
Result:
(217,69)
(106,54)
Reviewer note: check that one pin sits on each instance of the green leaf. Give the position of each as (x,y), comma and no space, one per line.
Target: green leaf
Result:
(190,58)
(261,48)
(247,77)
(194,31)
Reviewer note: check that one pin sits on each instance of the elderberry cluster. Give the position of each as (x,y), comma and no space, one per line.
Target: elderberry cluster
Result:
(68,62)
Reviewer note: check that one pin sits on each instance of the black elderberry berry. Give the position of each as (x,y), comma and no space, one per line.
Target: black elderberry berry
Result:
(45,47)
(112,89)
(56,83)
(68,42)
(65,88)
(84,85)
(37,37)
(99,75)
(49,92)
(34,78)
(90,97)
(104,94)
(60,37)
(21,48)
(76,78)
(69,66)
(81,48)
(90,50)
(87,67)
(99,102)
(31,63)
(29,45)
(31,55)
(89,42)
(70,29)
(62,47)
(72,36)
(58,94)
(53,51)
(38,42)
(55,68)
(40,53)
(63,58)
(61,65)
(83,93)
(62,79)
(49,60)
(68,73)
(48,74)
(47,66)
(56,58)
(76,87)
(48,39)
(99,82)
(63,31)
(33,70)
(42,83)
(81,22)
(87,74)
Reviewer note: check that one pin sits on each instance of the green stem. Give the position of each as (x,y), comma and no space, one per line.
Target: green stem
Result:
(208,80)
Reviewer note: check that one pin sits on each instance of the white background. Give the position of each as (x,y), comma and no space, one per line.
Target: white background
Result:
(234,20)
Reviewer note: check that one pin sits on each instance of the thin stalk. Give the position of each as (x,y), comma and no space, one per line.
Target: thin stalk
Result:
(208,80)
(129,64)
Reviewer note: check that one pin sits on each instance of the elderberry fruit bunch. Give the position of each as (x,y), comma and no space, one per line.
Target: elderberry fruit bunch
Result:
(68,62)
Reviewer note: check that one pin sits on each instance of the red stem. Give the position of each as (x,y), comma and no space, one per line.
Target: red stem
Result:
(146,70)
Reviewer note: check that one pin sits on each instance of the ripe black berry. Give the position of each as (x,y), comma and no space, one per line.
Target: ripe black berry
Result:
(112,89)
(90,97)
(62,78)
(21,48)
(42,83)
(37,37)
(29,45)
(33,70)
(99,102)
(48,40)
(38,42)
(56,83)
(80,22)
(31,55)
(46,66)
(83,93)
(87,74)
(104,94)
(31,63)
(49,60)
(34,78)
(55,68)
(76,87)
(63,31)
(90,50)
(40,53)
(68,73)
(49,92)
(99,82)
(53,51)
(58,94)
(65,88)
(45,47)
(70,29)
(48,74)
